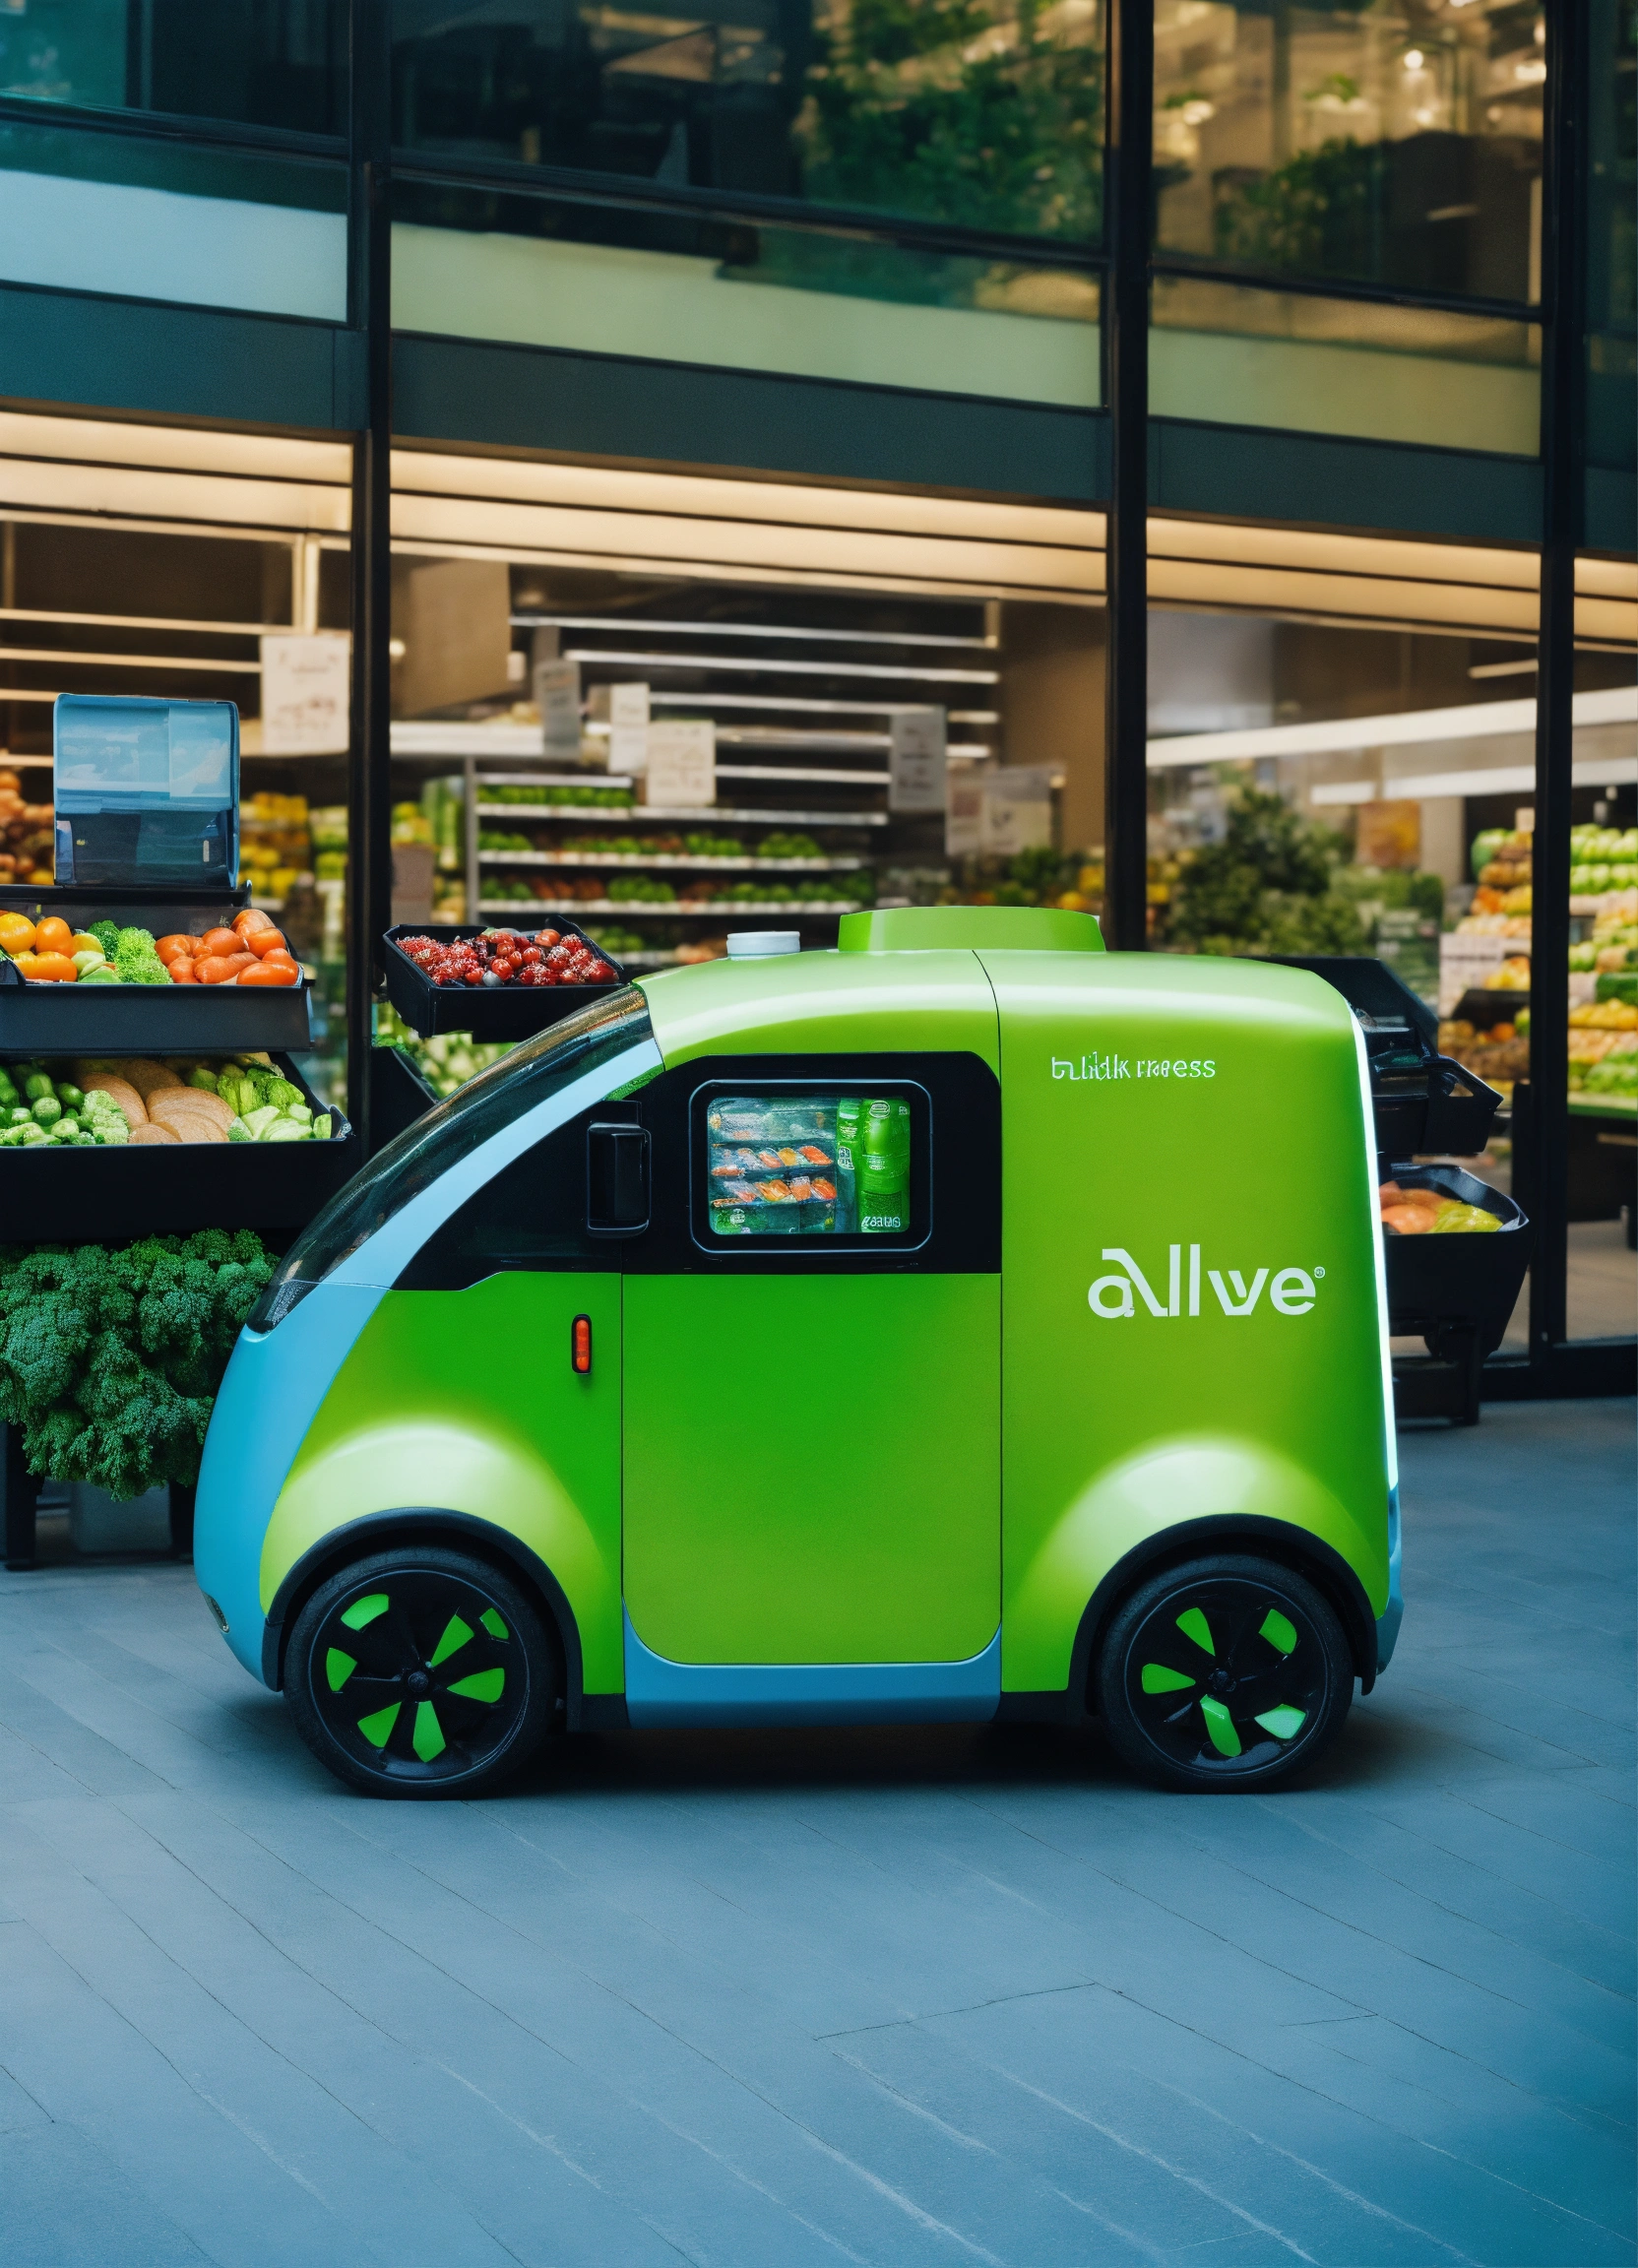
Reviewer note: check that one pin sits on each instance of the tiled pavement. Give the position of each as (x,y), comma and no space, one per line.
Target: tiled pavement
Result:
(896,1998)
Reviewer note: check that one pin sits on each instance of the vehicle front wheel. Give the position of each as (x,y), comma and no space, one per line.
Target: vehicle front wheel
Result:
(423,1673)
(1228,1673)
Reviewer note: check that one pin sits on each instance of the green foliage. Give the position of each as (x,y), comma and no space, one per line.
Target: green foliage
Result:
(1266,887)
(107,935)
(1317,215)
(901,119)
(111,1359)
(135,960)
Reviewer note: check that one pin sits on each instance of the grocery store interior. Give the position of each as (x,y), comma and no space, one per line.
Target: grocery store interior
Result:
(1340,730)
(605,481)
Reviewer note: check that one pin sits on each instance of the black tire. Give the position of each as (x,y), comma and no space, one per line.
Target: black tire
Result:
(1224,1674)
(421,1672)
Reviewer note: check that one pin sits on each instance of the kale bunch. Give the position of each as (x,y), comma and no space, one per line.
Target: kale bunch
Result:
(1266,887)
(111,1359)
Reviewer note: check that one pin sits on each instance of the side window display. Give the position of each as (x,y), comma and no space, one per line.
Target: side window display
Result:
(818,1164)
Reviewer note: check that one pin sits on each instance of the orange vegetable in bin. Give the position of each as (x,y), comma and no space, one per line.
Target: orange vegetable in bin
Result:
(217,941)
(54,968)
(251,922)
(174,947)
(16,933)
(182,971)
(262,942)
(53,935)
(280,958)
(271,971)
(24,963)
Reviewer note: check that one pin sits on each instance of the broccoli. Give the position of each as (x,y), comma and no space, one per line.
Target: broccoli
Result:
(111,1359)
(135,960)
(107,935)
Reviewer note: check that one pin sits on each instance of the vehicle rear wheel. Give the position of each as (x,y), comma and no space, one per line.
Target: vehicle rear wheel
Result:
(421,1672)
(1225,1673)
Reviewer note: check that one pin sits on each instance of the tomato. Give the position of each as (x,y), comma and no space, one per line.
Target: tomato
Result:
(262,942)
(53,935)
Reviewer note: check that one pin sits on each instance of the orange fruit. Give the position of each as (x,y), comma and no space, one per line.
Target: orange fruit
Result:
(16,933)
(24,963)
(54,969)
(53,935)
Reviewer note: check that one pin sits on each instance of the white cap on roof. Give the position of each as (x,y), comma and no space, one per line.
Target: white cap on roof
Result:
(759,944)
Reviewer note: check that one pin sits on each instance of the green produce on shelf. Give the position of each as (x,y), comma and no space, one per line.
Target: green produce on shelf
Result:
(108,1103)
(111,1359)
(578,799)
(640,890)
(492,839)
(789,846)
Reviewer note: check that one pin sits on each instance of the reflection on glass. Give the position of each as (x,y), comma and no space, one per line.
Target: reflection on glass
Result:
(979,113)
(261,62)
(1612,234)
(556,272)
(1393,142)
(99,212)
(824,1165)
(1235,355)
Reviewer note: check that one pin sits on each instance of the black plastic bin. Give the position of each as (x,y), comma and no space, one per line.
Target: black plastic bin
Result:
(398,1094)
(497,1012)
(1424,1102)
(144,1019)
(108,1196)
(1455,1293)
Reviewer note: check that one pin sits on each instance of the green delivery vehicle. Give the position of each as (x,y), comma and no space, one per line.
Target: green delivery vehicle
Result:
(964,1324)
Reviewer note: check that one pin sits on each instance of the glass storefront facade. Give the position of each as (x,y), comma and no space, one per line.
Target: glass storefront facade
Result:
(754,374)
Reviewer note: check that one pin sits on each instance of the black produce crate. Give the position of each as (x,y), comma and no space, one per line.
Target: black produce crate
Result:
(1471,1282)
(144,1019)
(150,1019)
(399,1095)
(1482,1008)
(109,1196)
(487,1012)
(1422,1101)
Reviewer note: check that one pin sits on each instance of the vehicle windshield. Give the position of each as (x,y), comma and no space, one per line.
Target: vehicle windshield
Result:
(532,1072)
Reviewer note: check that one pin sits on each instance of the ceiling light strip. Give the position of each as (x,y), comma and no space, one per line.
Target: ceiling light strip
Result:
(642,624)
(759,665)
(1410,727)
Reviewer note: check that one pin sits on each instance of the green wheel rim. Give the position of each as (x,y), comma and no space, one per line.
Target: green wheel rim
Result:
(417,1675)
(1226,1675)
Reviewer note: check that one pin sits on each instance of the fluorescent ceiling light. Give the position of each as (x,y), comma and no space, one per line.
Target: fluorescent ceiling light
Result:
(1411,727)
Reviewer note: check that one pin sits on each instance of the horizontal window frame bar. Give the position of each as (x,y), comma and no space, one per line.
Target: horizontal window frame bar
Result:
(572,185)
(174,126)
(1171,269)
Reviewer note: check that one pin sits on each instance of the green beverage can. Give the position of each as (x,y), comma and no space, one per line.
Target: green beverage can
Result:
(848,1118)
(883,1169)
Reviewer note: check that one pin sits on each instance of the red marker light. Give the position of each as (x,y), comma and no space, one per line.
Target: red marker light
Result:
(579,1344)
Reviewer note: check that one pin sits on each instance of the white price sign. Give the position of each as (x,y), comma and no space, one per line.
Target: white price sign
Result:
(557,697)
(628,729)
(306,693)
(682,764)
(916,766)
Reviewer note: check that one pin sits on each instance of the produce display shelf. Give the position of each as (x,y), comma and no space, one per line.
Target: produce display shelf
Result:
(673,860)
(487,1012)
(803,774)
(656,815)
(666,907)
(1604,1106)
(622,780)
(150,1019)
(109,1195)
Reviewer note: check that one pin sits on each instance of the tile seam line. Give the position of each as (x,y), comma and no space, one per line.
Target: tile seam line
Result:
(232,2017)
(786,2119)
(1456,2157)
(126,2024)
(1468,1921)
(1548,1841)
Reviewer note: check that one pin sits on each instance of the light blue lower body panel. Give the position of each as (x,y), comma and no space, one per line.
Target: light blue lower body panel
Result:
(661,1692)
(1387,1624)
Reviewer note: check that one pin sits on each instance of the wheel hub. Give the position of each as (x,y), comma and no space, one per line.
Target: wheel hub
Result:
(418,1675)
(418,1682)
(1222,1674)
